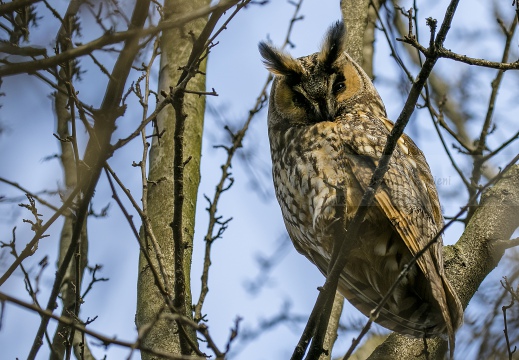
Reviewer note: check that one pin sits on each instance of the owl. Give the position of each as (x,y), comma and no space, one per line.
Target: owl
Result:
(327,128)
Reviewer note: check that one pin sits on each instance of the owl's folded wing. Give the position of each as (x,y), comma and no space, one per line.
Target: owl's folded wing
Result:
(408,198)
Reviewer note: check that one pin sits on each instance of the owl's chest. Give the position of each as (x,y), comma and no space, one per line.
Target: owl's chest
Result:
(308,173)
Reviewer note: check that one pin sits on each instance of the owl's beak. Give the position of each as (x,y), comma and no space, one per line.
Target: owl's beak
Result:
(326,110)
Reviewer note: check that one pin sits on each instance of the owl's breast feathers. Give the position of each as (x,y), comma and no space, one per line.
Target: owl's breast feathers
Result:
(320,167)
(307,167)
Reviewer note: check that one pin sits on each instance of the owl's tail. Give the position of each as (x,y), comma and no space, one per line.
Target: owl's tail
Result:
(450,307)
(415,316)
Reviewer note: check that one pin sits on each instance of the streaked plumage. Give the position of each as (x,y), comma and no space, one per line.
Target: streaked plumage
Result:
(327,130)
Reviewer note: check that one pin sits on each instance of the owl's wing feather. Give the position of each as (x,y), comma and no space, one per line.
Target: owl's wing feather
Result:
(365,299)
(409,234)
(410,204)
(408,227)
(408,198)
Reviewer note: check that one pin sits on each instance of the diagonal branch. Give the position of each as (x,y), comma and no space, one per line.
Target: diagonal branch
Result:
(109,39)
(32,245)
(325,299)
(15,5)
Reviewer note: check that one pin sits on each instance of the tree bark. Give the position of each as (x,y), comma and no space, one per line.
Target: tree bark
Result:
(467,263)
(355,17)
(176,47)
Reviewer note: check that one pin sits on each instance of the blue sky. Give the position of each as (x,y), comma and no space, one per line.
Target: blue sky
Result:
(237,74)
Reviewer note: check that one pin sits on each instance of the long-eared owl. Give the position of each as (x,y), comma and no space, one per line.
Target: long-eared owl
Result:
(327,128)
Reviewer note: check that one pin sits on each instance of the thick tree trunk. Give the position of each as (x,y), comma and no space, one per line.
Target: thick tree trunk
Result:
(355,16)
(176,47)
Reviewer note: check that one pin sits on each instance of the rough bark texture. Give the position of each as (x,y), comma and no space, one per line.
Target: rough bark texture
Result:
(176,46)
(469,261)
(362,352)
(355,17)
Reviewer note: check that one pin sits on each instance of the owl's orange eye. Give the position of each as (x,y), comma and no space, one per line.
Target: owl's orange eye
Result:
(338,87)
(299,100)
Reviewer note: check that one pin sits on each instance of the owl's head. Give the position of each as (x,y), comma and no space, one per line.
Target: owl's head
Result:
(318,87)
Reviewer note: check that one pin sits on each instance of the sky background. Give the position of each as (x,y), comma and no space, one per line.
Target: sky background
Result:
(237,74)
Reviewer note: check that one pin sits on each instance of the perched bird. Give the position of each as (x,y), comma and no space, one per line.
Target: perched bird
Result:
(327,128)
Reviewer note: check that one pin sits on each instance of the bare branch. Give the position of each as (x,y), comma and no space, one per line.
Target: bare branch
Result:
(109,39)
(15,5)
(32,245)
(482,141)
(33,195)
(505,308)
(105,340)
(226,180)
(95,155)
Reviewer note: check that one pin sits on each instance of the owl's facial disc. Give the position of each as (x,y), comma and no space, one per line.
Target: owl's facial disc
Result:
(313,88)
(351,81)
(302,103)
(319,94)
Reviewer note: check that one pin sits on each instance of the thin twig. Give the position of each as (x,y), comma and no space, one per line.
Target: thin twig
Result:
(501,147)
(237,139)
(33,195)
(96,154)
(109,39)
(482,142)
(504,309)
(105,340)
(439,117)
(32,245)
(394,53)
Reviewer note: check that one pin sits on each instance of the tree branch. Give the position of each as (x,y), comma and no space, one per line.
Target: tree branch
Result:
(109,39)
(96,154)
(237,139)
(15,5)
(105,340)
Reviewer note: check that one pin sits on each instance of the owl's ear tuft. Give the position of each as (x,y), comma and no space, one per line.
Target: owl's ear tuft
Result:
(333,45)
(279,63)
